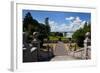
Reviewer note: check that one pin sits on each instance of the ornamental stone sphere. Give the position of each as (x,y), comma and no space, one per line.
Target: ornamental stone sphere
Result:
(87,34)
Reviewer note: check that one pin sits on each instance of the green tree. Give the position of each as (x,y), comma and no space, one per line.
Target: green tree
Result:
(47,26)
(27,21)
(79,35)
(30,24)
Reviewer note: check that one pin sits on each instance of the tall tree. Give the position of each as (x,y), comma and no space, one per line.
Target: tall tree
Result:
(79,35)
(27,22)
(47,26)
(30,24)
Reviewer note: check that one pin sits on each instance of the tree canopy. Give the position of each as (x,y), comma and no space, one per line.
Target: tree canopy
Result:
(32,25)
(79,35)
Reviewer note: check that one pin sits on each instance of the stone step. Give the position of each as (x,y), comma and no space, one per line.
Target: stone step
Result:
(63,58)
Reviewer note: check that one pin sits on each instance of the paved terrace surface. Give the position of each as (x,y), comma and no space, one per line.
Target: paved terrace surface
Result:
(61,54)
(60,49)
(63,58)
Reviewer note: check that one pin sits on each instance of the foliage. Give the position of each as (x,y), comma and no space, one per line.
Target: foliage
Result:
(31,25)
(59,34)
(55,38)
(47,26)
(79,35)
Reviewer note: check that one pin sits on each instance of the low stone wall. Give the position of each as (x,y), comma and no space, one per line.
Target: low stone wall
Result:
(83,53)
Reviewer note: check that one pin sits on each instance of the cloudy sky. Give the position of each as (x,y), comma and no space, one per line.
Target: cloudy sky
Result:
(61,21)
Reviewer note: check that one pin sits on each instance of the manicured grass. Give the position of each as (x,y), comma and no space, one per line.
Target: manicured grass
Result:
(53,38)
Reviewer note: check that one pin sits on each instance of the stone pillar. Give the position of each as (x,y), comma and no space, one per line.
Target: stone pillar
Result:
(86,41)
(36,45)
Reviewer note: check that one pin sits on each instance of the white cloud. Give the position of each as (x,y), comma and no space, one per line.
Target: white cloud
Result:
(77,23)
(82,24)
(73,26)
(58,27)
(69,18)
(53,25)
